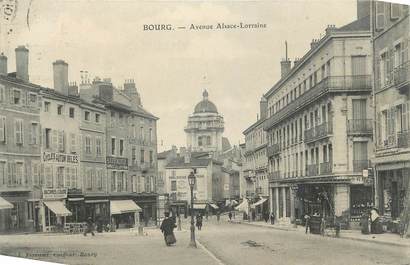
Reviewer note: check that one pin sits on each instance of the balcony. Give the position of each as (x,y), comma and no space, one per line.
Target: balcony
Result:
(313,170)
(359,165)
(401,75)
(359,126)
(274,175)
(325,168)
(273,150)
(332,84)
(259,190)
(320,131)
(403,139)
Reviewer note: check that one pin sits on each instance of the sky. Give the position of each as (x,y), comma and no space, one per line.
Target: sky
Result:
(171,68)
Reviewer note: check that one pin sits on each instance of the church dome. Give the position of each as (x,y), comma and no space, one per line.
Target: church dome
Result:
(205,105)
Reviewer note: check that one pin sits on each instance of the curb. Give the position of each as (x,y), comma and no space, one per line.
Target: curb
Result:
(212,255)
(341,237)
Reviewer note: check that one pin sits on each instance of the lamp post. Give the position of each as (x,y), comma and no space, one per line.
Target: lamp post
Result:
(191,181)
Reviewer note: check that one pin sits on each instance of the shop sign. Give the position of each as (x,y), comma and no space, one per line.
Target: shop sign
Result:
(58,193)
(60,158)
(226,186)
(120,163)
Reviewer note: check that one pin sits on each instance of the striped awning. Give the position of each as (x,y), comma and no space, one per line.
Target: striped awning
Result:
(58,208)
(199,206)
(124,206)
(5,204)
(258,203)
(214,206)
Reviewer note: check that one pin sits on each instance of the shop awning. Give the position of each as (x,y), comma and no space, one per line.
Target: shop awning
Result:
(243,207)
(124,206)
(5,204)
(95,201)
(214,206)
(258,203)
(58,208)
(199,206)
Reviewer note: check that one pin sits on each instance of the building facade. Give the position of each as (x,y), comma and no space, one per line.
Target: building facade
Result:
(19,146)
(391,40)
(319,128)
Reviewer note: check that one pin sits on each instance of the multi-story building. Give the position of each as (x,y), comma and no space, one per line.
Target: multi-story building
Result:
(207,189)
(391,40)
(131,150)
(19,145)
(60,118)
(319,127)
(256,161)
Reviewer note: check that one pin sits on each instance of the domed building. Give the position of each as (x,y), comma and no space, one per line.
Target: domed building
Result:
(205,128)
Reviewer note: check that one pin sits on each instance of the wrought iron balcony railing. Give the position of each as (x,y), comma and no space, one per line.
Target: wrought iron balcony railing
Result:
(313,170)
(274,175)
(331,84)
(273,150)
(360,126)
(325,168)
(319,131)
(401,75)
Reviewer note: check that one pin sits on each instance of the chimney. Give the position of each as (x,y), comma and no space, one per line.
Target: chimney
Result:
(60,73)
(295,62)
(285,64)
(182,151)
(131,91)
(22,63)
(187,158)
(313,43)
(263,108)
(329,29)
(3,64)
(73,89)
(363,8)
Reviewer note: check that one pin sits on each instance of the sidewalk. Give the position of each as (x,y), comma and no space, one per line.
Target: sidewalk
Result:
(387,238)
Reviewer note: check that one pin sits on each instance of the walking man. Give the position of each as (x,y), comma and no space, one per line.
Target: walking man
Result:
(230,216)
(199,221)
(272,218)
(90,227)
(307,223)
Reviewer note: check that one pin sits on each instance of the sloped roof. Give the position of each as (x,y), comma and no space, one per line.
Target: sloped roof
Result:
(357,25)
(226,145)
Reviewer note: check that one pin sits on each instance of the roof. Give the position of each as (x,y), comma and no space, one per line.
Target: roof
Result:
(250,128)
(205,105)
(359,25)
(226,145)
(194,162)
(163,155)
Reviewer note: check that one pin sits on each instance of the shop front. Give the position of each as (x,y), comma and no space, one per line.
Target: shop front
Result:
(53,210)
(261,208)
(180,208)
(125,213)
(392,187)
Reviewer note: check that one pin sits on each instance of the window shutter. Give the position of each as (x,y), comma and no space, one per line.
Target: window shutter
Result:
(395,11)
(380,15)
(9,173)
(2,129)
(55,140)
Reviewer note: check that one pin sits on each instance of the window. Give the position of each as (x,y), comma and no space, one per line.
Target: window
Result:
(67,178)
(3,173)
(199,140)
(151,157)
(60,177)
(16,96)
(120,181)
(100,176)
(48,138)
(208,140)
(134,155)
(89,181)
(2,93)
(142,159)
(34,133)
(18,129)
(71,112)
(88,144)
(113,186)
(2,129)
(48,172)
(113,146)
(173,185)
(98,146)
(87,115)
(380,16)
(46,106)
(150,135)
(142,133)
(73,141)
(60,109)
(61,141)
(394,11)
(19,171)
(97,118)
(121,147)
(73,171)
(32,99)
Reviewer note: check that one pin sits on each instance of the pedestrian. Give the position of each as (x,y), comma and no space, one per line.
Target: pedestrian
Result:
(199,221)
(266,217)
(253,215)
(90,227)
(218,216)
(230,216)
(167,228)
(233,214)
(307,222)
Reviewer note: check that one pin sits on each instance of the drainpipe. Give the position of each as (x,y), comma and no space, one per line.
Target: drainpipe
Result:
(373,80)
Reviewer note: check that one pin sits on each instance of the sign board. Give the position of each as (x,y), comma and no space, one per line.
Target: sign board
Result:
(58,193)
(54,157)
(365,173)
(226,187)
(120,163)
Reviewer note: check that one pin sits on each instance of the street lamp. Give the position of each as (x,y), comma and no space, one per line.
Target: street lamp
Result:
(191,181)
